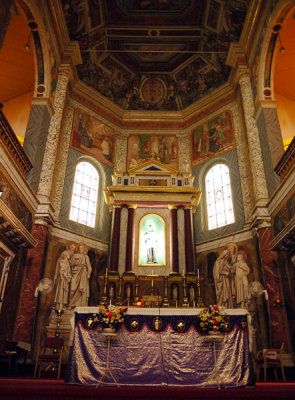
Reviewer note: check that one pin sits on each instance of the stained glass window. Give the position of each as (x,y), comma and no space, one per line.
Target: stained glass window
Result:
(84,197)
(219,197)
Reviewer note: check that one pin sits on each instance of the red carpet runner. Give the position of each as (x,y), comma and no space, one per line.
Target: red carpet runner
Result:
(41,389)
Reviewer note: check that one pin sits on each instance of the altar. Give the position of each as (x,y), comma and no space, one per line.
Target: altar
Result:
(158,347)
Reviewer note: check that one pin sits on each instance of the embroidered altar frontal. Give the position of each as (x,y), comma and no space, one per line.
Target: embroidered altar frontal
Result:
(156,350)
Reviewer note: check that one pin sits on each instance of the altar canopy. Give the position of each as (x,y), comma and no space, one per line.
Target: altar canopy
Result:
(149,354)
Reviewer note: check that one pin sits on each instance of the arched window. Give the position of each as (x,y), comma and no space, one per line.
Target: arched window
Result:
(219,197)
(84,196)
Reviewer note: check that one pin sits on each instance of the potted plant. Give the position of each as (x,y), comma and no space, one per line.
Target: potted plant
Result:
(212,321)
(110,317)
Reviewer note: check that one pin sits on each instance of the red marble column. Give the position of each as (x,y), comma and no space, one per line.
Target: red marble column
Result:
(27,305)
(188,237)
(115,241)
(277,316)
(174,240)
(130,238)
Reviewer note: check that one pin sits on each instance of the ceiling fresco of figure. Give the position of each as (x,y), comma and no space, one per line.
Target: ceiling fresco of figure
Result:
(154,54)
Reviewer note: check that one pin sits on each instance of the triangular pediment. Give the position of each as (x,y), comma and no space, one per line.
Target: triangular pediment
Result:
(152,167)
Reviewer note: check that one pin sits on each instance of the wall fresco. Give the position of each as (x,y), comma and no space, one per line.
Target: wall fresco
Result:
(93,137)
(163,148)
(213,137)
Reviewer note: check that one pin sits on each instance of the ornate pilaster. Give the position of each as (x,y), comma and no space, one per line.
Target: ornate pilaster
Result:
(115,240)
(61,161)
(26,311)
(244,165)
(49,160)
(184,150)
(120,153)
(259,180)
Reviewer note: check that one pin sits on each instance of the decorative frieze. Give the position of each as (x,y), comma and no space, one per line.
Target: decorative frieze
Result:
(184,153)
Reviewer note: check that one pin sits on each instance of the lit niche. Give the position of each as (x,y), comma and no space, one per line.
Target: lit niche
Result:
(152,241)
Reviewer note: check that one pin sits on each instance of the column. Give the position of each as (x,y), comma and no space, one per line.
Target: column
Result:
(115,240)
(25,319)
(181,239)
(130,238)
(189,245)
(174,240)
(123,239)
(46,176)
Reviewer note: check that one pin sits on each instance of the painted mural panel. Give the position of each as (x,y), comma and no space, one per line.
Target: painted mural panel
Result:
(162,148)
(282,218)
(93,137)
(213,137)
(14,203)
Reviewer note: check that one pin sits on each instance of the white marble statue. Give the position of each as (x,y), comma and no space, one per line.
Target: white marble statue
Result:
(80,270)
(63,276)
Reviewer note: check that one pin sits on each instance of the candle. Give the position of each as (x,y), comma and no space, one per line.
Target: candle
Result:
(198,271)
(106,272)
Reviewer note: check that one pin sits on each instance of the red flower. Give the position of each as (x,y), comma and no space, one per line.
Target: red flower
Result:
(215,308)
(110,314)
(214,329)
(215,322)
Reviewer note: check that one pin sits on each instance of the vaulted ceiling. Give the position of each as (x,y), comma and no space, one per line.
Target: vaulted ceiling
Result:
(154,54)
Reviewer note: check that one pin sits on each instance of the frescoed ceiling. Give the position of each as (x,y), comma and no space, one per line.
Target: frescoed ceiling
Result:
(154,54)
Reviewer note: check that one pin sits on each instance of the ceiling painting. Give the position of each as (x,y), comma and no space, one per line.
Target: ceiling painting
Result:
(182,43)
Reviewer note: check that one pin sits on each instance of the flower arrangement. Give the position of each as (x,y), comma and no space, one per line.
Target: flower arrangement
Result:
(110,316)
(212,320)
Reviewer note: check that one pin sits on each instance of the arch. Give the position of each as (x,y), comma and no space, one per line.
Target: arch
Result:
(84,197)
(219,203)
(26,40)
(275,75)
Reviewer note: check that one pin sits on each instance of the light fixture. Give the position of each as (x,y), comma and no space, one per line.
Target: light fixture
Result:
(282,48)
(27,45)
(277,29)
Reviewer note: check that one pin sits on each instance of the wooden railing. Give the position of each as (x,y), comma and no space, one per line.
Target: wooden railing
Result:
(9,140)
(287,161)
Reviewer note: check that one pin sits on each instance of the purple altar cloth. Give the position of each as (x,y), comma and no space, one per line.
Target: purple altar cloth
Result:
(161,358)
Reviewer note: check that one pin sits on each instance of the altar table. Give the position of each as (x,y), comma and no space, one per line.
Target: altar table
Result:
(147,357)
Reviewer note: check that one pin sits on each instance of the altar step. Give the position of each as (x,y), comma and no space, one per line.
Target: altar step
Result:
(49,389)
